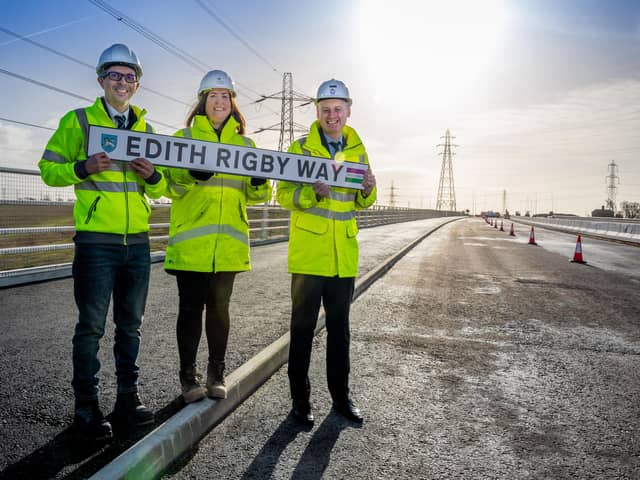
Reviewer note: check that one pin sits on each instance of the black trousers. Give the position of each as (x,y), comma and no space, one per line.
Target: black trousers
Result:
(307,292)
(198,290)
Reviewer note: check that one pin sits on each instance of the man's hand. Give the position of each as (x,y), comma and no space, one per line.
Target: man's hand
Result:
(368,182)
(97,163)
(142,167)
(322,189)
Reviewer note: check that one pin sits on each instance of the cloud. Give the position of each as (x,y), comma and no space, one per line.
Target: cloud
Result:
(20,146)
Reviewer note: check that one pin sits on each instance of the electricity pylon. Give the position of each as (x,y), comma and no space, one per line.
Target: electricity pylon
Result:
(446,190)
(612,179)
(286,126)
(392,195)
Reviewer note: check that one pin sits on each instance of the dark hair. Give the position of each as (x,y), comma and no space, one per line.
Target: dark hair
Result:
(199,109)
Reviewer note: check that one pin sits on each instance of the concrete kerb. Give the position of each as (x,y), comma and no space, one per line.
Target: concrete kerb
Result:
(149,457)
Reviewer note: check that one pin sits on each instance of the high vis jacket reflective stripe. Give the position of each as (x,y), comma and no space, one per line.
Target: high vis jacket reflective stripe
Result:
(209,229)
(322,233)
(112,201)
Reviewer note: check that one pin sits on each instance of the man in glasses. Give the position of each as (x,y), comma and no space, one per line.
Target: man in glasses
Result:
(112,257)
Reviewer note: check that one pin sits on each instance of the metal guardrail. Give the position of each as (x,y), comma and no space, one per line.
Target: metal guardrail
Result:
(36,230)
(625,230)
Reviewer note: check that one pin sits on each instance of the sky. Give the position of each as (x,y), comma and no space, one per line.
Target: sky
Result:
(539,95)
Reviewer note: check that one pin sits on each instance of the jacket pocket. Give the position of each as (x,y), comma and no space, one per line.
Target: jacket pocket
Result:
(313,224)
(146,206)
(352,229)
(92,209)
(243,214)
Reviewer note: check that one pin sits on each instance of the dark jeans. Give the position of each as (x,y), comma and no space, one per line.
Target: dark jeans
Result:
(99,271)
(307,291)
(197,290)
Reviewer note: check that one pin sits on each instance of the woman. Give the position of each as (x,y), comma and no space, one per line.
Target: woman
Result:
(209,236)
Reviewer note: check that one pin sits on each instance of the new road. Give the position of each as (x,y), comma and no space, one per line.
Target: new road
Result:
(475,356)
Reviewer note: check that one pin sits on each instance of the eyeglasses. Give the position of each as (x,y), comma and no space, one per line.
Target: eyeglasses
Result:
(117,76)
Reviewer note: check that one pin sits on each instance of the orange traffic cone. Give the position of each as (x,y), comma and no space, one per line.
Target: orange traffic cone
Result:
(577,256)
(502,225)
(512,233)
(495,224)
(532,238)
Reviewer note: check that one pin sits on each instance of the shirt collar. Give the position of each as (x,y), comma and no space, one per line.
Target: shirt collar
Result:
(113,112)
(327,141)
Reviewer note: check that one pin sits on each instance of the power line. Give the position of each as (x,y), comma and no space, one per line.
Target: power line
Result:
(162,43)
(27,124)
(80,62)
(51,29)
(237,36)
(66,92)
(45,85)
(145,32)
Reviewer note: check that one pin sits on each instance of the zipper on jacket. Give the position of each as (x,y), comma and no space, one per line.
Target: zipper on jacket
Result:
(126,202)
(92,209)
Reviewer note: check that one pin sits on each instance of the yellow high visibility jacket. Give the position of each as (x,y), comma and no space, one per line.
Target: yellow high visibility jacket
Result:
(209,230)
(322,233)
(112,201)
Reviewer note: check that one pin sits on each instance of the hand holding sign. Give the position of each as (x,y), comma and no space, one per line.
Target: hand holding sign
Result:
(368,182)
(97,163)
(142,167)
(322,189)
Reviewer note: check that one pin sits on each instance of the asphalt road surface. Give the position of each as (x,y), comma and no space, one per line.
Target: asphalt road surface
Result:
(476,356)
(36,403)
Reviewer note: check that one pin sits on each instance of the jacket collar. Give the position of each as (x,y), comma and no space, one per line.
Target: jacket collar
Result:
(229,129)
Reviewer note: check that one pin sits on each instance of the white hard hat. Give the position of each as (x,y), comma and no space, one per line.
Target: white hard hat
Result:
(333,89)
(119,54)
(216,79)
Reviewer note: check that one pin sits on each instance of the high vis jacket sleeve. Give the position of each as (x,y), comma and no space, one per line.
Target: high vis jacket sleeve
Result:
(295,196)
(65,147)
(111,201)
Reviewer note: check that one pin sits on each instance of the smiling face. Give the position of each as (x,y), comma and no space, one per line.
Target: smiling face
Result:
(218,106)
(332,116)
(118,93)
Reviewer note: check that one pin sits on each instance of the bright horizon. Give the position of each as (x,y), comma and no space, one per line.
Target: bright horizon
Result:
(540,95)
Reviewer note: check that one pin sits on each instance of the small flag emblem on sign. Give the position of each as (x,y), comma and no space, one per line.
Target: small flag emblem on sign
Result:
(354,175)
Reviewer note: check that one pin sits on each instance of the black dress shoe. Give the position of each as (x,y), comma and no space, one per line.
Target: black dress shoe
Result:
(301,412)
(348,410)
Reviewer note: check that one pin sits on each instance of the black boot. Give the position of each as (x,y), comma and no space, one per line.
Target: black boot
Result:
(130,411)
(89,422)
(216,387)
(192,389)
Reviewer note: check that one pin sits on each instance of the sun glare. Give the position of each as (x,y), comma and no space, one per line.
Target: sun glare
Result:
(431,50)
